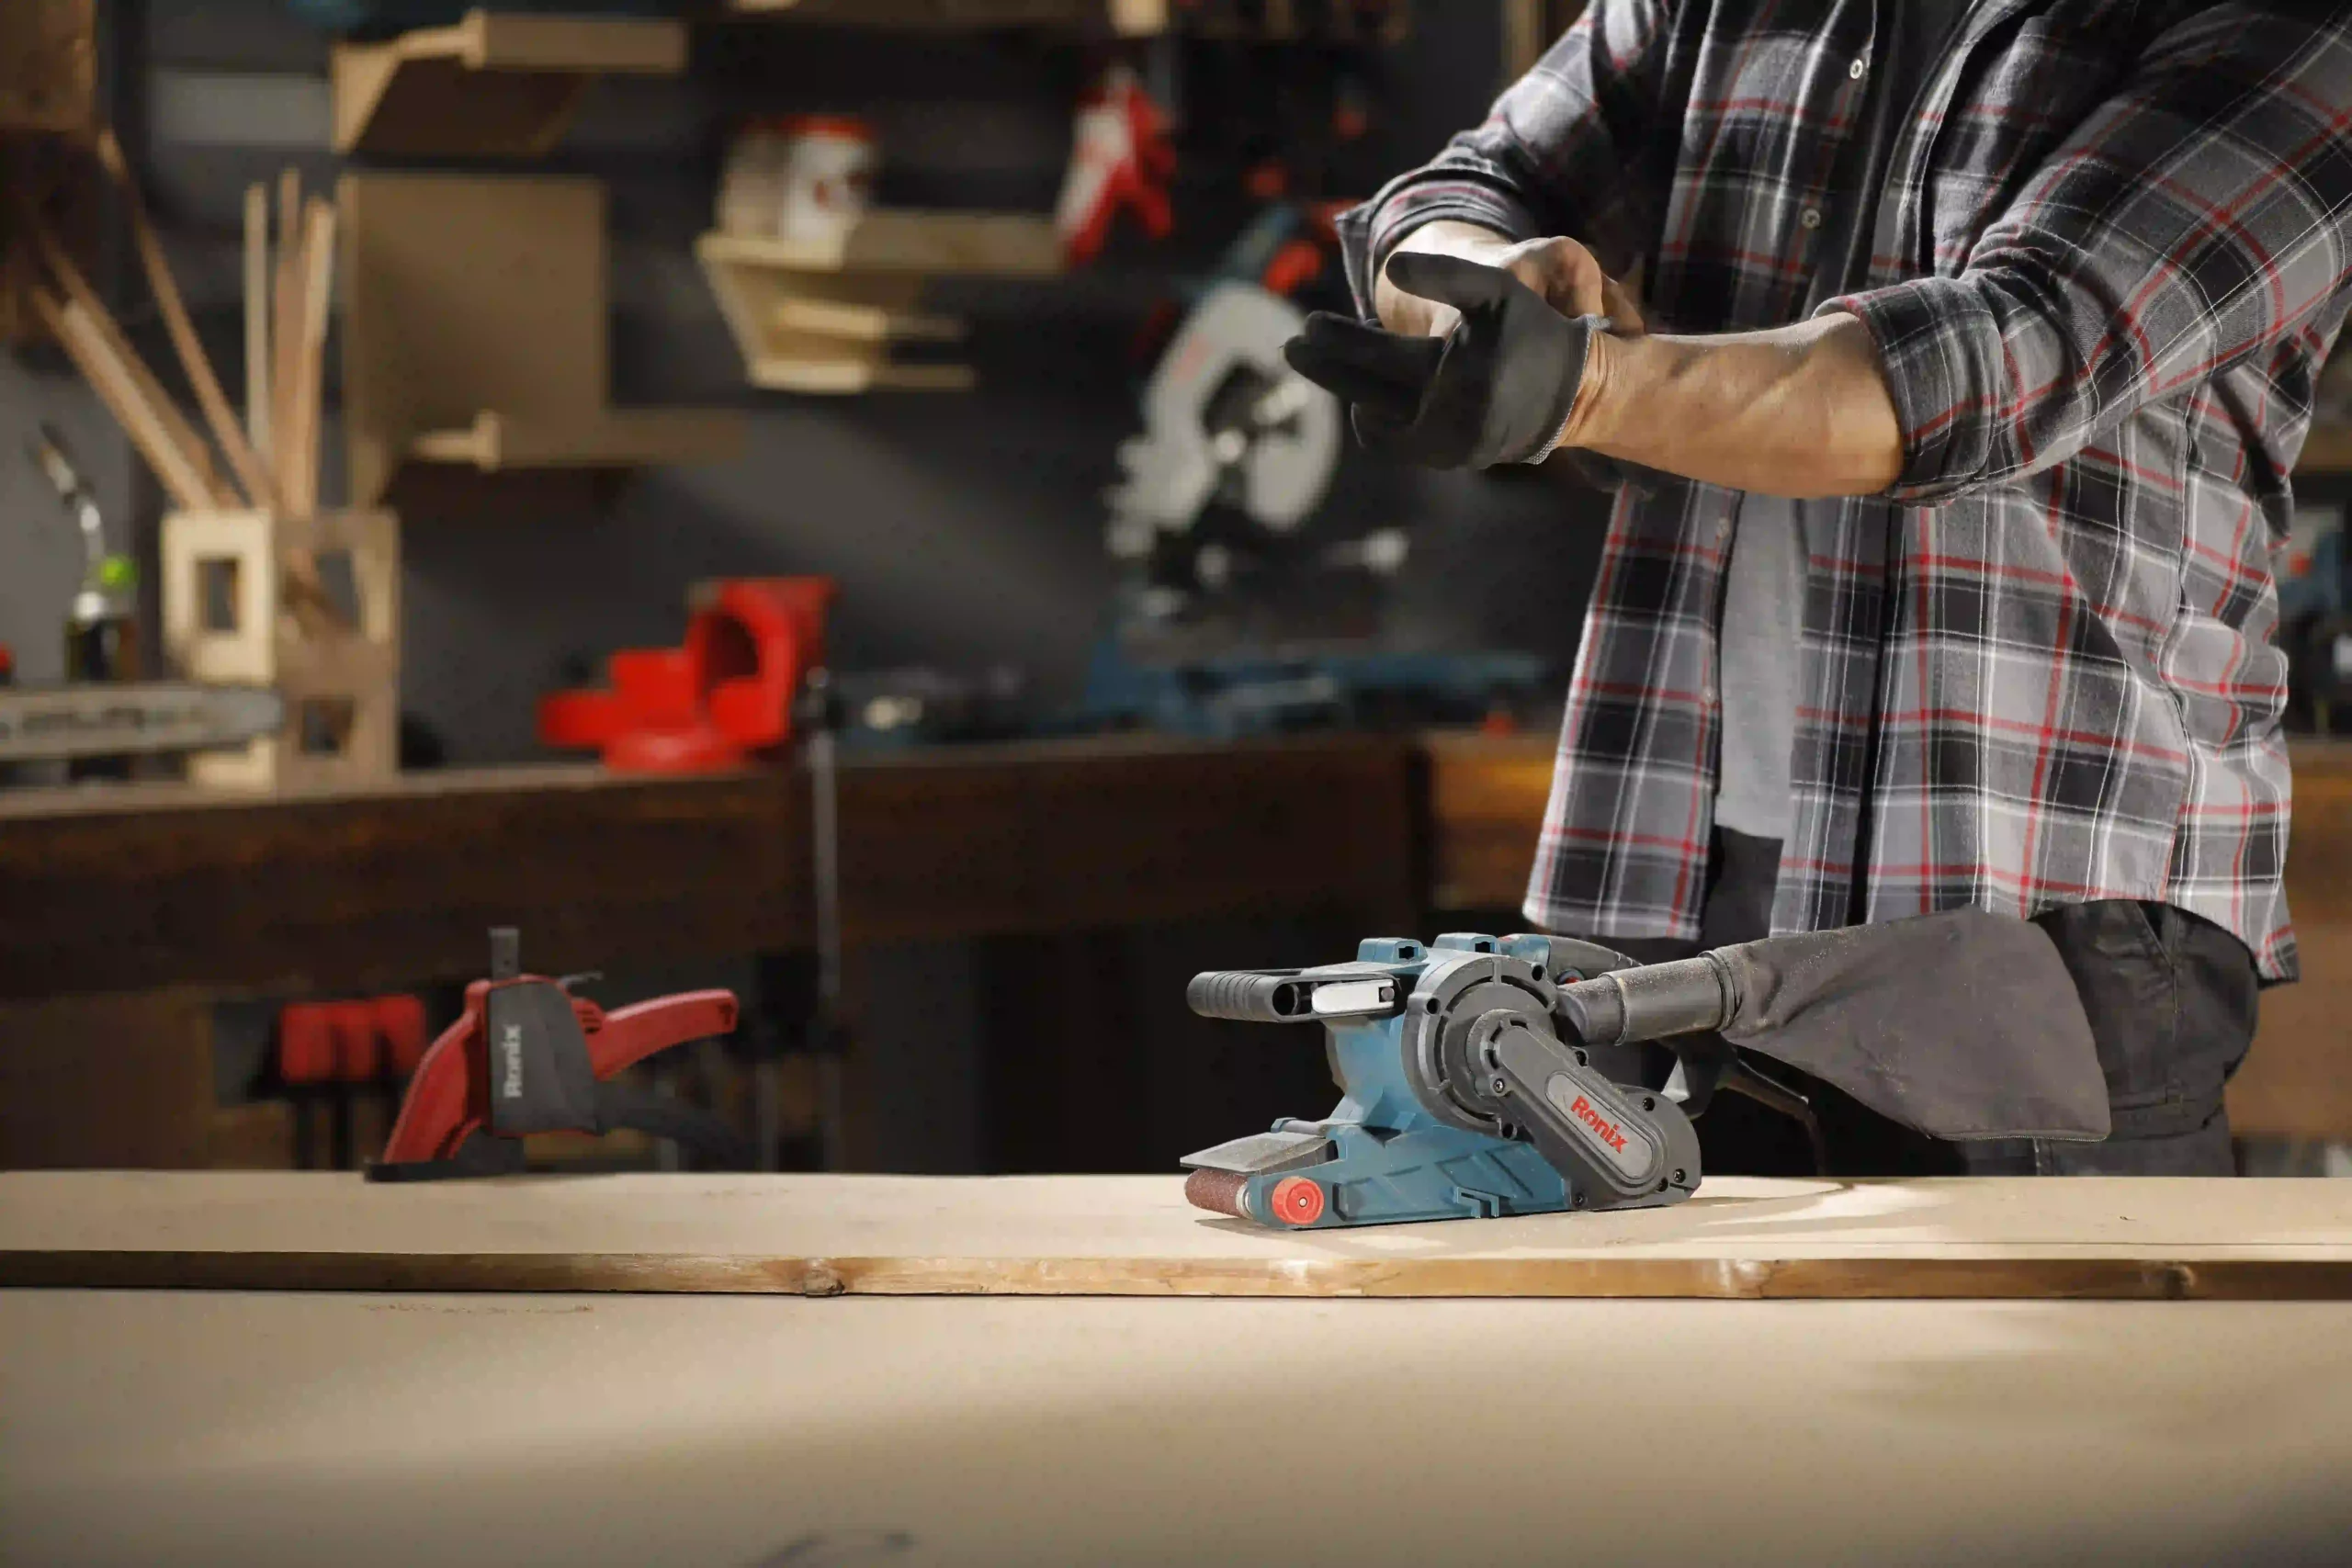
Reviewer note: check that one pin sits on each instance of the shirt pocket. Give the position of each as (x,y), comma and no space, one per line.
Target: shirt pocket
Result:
(2023,89)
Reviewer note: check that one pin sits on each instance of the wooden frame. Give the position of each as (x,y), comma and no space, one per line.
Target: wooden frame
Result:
(346,679)
(476,333)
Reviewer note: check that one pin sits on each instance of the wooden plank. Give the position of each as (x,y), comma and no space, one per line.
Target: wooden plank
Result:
(377,1432)
(1740,1240)
(143,886)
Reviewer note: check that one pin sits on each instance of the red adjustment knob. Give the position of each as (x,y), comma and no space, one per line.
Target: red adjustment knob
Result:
(1298,1200)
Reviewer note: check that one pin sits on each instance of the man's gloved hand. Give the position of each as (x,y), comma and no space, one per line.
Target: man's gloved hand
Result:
(1498,389)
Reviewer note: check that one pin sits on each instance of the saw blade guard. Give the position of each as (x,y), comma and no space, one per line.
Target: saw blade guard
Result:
(1225,416)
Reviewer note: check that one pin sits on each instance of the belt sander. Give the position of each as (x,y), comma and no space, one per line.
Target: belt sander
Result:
(1483,1076)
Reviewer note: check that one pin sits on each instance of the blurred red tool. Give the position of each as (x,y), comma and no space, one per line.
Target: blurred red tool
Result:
(728,695)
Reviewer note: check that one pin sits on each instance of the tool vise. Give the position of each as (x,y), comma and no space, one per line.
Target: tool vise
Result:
(1466,1093)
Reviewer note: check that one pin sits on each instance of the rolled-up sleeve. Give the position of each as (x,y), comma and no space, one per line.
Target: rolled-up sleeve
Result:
(2201,215)
(1554,156)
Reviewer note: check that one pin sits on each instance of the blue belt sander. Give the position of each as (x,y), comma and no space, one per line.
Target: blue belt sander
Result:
(1468,1090)
(1487,1075)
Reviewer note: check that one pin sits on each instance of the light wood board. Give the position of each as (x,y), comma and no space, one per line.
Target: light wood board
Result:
(289,1430)
(1134,1236)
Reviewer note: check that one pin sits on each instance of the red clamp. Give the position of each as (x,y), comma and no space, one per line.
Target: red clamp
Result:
(528,1056)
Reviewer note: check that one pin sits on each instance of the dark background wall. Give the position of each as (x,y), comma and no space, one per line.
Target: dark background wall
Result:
(965,529)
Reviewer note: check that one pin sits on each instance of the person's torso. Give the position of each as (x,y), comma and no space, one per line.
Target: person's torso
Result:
(1763,105)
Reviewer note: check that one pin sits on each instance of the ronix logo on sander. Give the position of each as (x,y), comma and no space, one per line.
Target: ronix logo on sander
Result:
(1609,1131)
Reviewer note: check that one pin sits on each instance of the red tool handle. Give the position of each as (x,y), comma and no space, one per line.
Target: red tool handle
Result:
(446,1100)
(434,1117)
(632,1033)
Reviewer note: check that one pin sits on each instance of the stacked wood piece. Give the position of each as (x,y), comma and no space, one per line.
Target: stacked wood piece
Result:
(266,464)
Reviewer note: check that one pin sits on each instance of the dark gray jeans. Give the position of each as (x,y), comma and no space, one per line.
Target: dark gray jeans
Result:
(2171,997)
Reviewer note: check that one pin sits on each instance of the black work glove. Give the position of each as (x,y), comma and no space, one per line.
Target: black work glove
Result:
(1498,389)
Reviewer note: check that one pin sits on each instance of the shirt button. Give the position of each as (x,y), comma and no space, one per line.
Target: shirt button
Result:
(1858,70)
(1810,218)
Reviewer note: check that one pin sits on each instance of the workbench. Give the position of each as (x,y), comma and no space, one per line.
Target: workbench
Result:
(859,1370)
(125,911)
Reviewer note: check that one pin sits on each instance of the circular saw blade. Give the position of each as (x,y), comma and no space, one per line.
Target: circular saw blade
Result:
(1225,416)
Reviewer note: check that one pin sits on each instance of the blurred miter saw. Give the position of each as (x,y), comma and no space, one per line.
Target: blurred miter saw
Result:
(1235,618)
(1226,421)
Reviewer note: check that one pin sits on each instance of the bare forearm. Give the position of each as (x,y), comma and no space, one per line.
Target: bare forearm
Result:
(1801,411)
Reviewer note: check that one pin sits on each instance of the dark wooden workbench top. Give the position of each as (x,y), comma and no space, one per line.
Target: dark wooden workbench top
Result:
(135,887)
(141,888)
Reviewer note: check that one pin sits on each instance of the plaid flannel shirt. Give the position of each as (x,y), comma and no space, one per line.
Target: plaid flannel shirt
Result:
(2110,259)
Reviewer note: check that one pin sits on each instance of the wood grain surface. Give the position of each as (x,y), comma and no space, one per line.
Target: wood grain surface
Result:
(1134,1235)
(372,1432)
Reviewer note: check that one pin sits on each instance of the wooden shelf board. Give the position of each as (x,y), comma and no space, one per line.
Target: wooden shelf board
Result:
(489,85)
(849,377)
(821,319)
(1128,18)
(864,323)
(623,438)
(907,241)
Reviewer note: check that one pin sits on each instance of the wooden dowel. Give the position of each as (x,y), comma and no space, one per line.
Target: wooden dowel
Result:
(209,398)
(285,323)
(189,454)
(94,354)
(316,290)
(257,334)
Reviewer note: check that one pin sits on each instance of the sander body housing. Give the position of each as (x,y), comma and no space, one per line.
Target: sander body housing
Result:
(1466,1092)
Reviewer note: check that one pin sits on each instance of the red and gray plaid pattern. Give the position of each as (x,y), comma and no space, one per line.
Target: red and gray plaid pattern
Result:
(2112,255)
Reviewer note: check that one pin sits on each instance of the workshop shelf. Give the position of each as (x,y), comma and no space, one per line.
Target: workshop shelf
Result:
(825,318)
(491,85)
(475,334)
